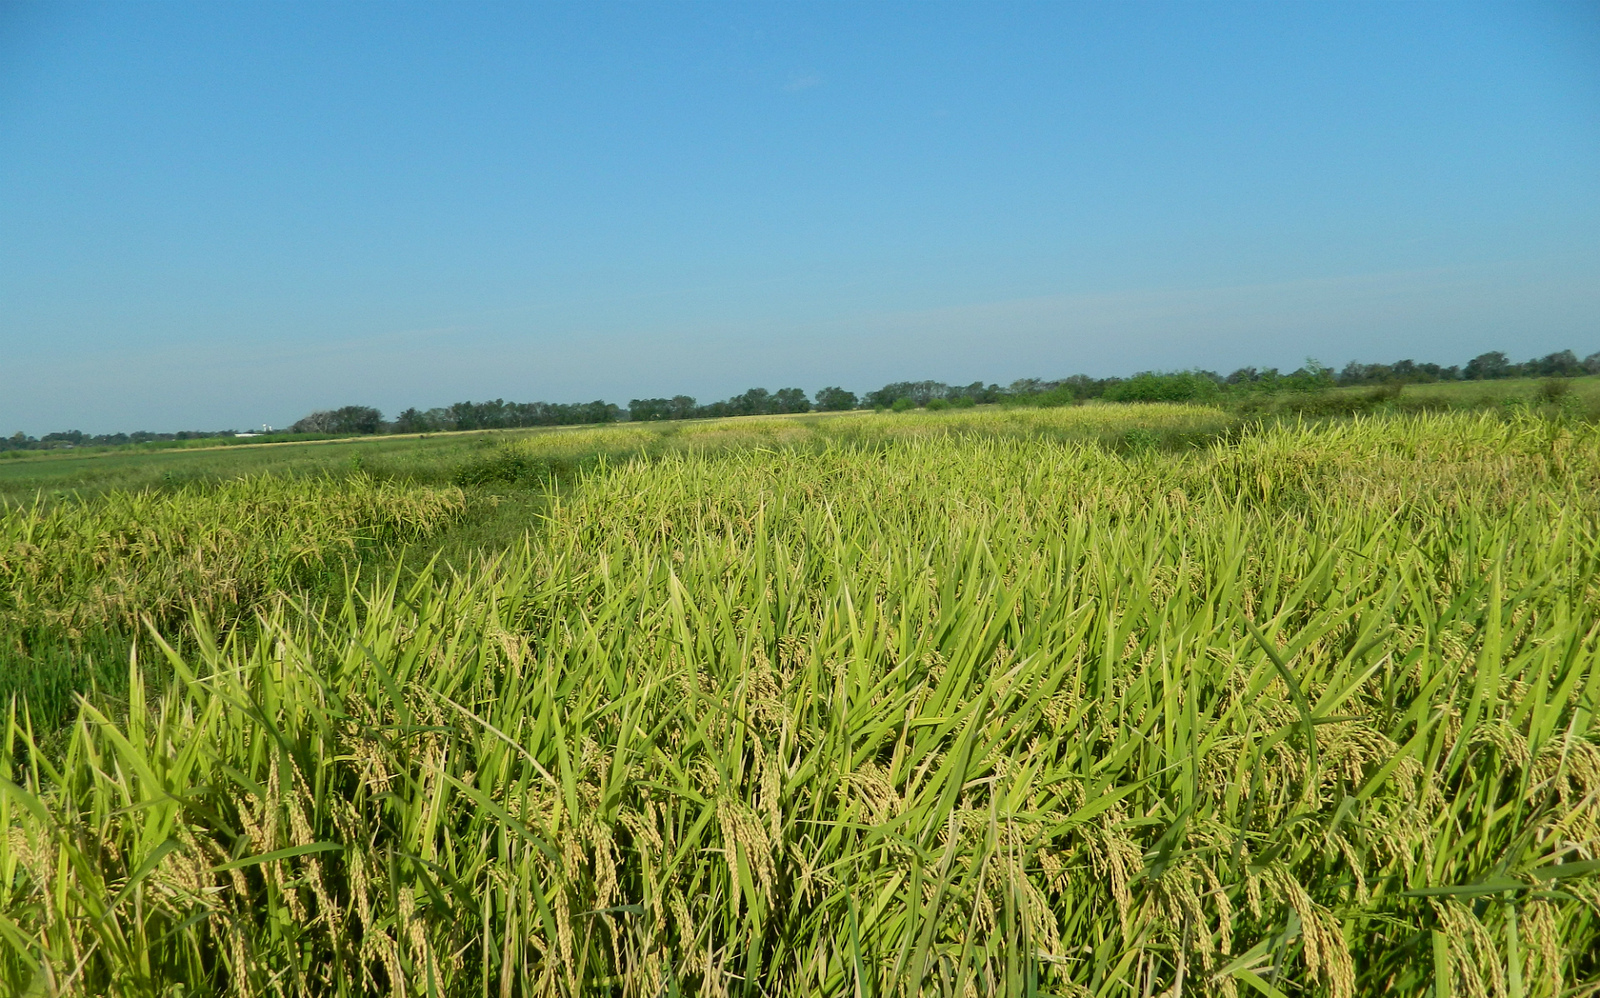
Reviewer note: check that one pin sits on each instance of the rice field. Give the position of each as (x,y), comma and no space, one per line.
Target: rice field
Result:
(1112,701)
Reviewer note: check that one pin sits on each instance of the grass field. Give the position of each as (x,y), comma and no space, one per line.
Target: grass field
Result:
(435,458)
(1108,700)
(1569,398)
(62,473)
(1584,392)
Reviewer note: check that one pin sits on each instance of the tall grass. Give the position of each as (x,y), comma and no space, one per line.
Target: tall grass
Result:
(543,457)
(1310,712)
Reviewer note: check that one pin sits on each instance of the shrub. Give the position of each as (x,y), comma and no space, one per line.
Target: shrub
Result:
(1554,389)
(902,404)
(1050,398)
(1149,386)
(1139,440)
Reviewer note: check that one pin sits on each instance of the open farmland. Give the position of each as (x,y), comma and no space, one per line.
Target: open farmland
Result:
(1103,700)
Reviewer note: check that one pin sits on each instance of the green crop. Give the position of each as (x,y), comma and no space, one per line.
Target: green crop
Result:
(960,708)
(76,565)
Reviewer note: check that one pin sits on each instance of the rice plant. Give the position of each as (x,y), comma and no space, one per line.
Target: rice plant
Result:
(1309,711)
(77,577)
(77,565)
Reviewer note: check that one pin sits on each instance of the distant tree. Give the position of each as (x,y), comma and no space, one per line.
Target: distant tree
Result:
(1488,366)
(885,396)
(790,400)
(357,419)
(1353,373)
(495,415)
(1591,364)
(351,419)
(1312,376)
(919,392)
(598,411)
(412,421)
(1563,364)
(471,415)
(754,402)
(677,407)
(835,399)
(646,410)
(1414,372)
(316,422)
(978,392)
(1083,387)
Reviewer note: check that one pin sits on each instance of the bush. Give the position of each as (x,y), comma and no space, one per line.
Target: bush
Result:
(902,403)
(1149,386)
(1554,389)
(1139,440)
(938,403)
(1062,395)
(504,467)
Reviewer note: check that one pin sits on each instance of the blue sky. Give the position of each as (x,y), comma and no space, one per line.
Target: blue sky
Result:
(227,214)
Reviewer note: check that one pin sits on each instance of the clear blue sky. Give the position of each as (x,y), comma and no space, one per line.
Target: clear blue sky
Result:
(220,215)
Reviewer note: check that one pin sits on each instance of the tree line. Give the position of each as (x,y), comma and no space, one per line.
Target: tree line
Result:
(1146,386)
(496,415)
(77,438)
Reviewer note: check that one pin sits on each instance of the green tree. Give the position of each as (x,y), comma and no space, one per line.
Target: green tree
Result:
(646,410)
(350,419)
(1562,364)
(835,399)
(790,400)
(413,421)
(1487,366)
(755,402)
